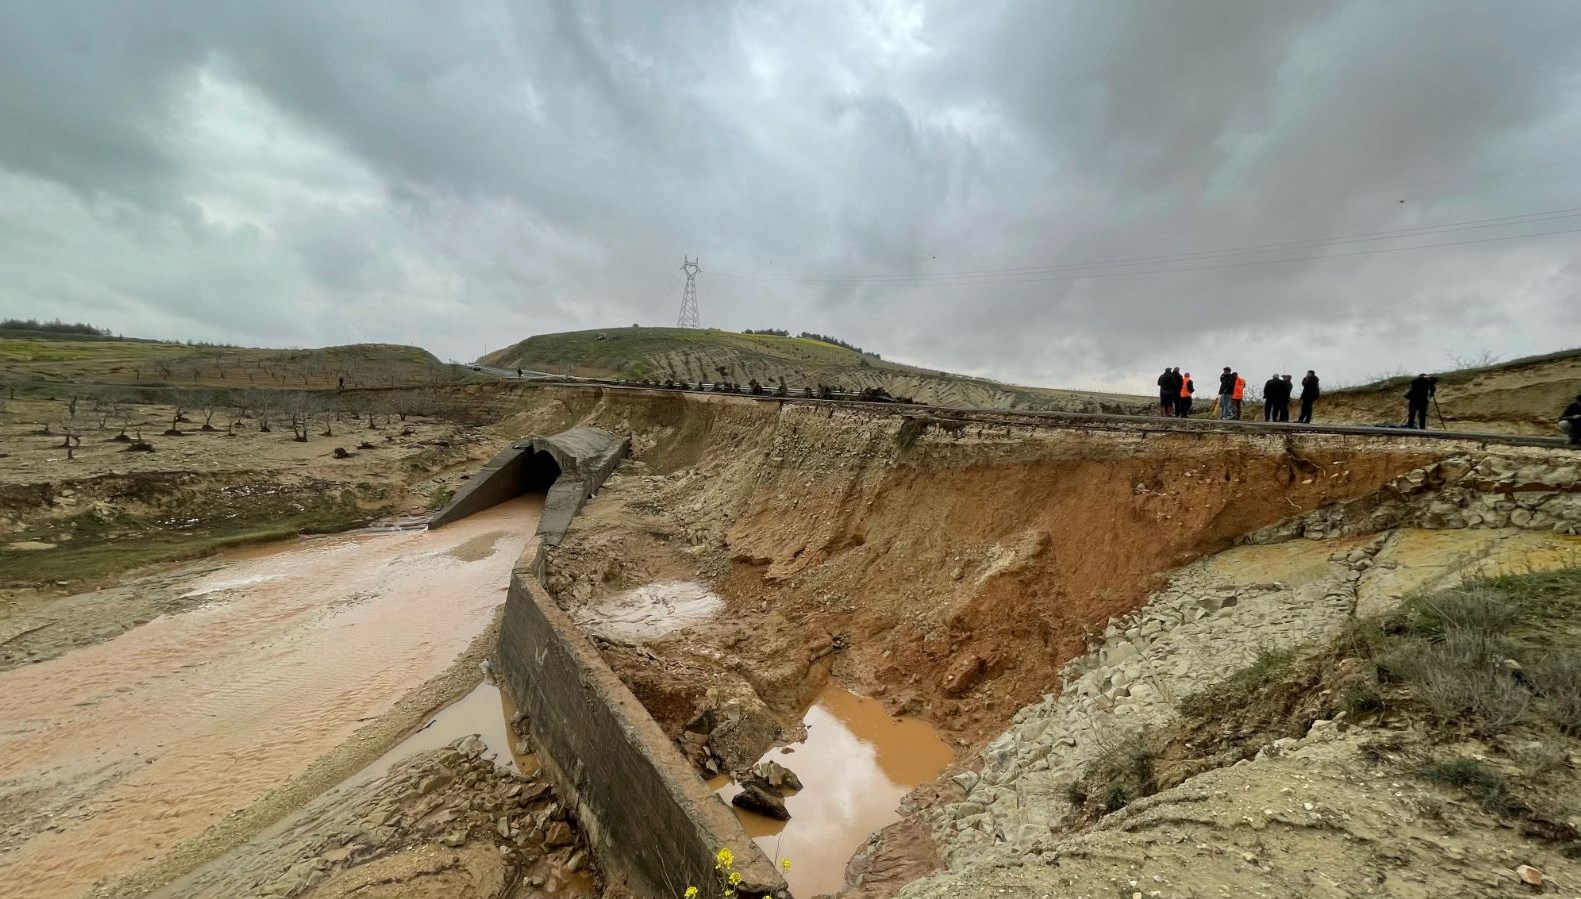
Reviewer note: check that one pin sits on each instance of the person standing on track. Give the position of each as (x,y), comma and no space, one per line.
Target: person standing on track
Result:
(1226,391)
(1271,388)
(1282,413)
(1166,393)
(1183,402)
(1237,394)
(1309,395)
(1570,421)
(1417,396)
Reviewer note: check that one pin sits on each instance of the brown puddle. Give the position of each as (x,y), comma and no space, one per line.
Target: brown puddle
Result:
(486,711)
(855,765)
(115,754)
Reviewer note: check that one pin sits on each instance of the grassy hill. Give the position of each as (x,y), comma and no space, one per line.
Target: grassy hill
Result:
(39,359)
(1522,396)
(713,355)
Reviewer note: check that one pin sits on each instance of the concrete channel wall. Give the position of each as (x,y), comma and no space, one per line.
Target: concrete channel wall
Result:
(653,821)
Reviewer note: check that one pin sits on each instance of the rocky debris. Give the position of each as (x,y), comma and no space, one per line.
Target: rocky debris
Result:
(755,798)
(1530,876)
(449,822)
(1203,626)
(342,453)
(1326,817)
(1492,491)
(772,777)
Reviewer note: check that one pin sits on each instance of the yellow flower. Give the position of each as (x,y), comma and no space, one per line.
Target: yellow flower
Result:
(691,893)
(724,859)
(735,878)
(785,863)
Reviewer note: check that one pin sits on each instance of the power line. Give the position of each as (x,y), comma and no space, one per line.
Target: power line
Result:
(989,275)
(1083,276)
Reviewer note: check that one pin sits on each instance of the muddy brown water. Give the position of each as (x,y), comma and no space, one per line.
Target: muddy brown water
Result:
(113,755)
(856,764)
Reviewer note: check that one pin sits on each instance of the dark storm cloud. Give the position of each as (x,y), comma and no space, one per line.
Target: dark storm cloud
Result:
(309,173)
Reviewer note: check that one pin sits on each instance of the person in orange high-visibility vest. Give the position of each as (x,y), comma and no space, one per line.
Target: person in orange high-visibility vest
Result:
(1236,395)
(1183,402)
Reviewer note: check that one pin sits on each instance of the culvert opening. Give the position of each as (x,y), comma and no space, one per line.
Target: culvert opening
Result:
(539,472)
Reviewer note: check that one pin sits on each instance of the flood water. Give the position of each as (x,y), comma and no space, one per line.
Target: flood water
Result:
(856,764)
(113,754)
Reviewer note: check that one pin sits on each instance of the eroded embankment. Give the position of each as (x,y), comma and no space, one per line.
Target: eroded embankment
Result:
(949,569)
(957,567)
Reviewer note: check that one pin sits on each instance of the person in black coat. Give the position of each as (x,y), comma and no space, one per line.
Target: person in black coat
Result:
(1417,396)
(1167,391)
(1226,390)
(1271,388)
(1282,398)
(1310,390)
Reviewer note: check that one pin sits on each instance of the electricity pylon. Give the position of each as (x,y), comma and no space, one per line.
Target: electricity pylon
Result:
(689,296)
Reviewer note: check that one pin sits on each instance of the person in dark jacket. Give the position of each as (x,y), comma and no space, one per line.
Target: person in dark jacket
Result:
(1310,390)
(1421,391)
(1286,389)
(1226,392)
(1167,389)
(1570,421)
(1271,388)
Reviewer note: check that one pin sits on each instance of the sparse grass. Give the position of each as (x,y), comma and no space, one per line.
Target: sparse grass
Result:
(1270,665)
(1477,781)
(1487,656)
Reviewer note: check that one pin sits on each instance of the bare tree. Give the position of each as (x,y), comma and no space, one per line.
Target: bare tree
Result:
(209,402)
(301,411)
(1481,359)
(71,430)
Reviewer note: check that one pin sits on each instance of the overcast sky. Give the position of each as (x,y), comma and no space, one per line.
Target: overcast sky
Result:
(1062,193)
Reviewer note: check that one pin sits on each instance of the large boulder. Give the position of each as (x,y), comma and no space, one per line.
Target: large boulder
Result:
(754,798)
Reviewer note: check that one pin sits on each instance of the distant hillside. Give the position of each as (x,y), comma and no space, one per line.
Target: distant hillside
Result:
(1522,396)
(32,357)
(712,355)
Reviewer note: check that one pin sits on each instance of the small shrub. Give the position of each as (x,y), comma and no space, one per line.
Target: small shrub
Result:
(1477,781)
(1556,679)
(1124,771)
(1458,678)
(1361,698)
(1115,798)
(1476,608)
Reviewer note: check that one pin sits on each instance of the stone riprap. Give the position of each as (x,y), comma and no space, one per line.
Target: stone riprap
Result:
(1488,492)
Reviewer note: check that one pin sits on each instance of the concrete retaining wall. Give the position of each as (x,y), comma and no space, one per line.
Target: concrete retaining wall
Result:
(652,819)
